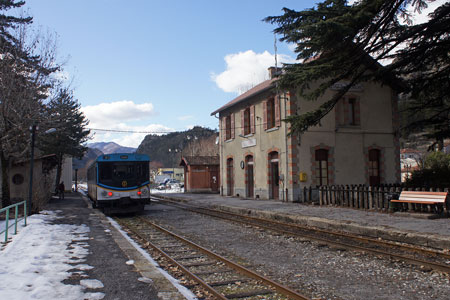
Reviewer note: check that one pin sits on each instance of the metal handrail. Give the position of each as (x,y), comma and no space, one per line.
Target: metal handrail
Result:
(16,219)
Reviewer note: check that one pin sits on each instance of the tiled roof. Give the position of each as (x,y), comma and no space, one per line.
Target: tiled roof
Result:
(199,160)
(407,150)
(263,86)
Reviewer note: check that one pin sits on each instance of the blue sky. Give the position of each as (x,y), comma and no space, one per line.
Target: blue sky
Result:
(160,65)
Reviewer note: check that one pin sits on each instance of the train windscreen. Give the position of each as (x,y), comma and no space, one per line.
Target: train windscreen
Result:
(123,174)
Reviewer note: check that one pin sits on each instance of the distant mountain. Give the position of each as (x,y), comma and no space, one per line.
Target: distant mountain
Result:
(166,150)
(82,164)
(111,147)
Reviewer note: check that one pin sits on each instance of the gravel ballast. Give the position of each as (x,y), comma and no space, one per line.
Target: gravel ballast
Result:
(313,269)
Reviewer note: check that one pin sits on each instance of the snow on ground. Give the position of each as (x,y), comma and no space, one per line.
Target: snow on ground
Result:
(168,191)
(36,261)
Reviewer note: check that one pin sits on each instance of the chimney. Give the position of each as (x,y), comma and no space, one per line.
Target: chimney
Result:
(274,72)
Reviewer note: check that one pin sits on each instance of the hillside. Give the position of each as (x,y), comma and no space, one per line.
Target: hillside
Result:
(166,150)
(82,164)
(111,147)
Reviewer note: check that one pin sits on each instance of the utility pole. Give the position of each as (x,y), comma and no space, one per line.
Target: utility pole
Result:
(30,190)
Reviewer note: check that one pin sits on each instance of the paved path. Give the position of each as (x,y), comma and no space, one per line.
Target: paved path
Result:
(109,253)
(397,226)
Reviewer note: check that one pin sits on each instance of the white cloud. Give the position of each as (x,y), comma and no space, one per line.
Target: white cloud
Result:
(246,69)
(105,115)
(121,116)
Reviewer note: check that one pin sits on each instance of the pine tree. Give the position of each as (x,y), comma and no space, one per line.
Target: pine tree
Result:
(337,41)
(63,113)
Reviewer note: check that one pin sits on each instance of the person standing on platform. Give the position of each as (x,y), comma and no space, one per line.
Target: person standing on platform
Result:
(61,189)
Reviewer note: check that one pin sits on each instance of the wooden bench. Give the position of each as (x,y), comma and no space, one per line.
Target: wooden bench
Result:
(421,197)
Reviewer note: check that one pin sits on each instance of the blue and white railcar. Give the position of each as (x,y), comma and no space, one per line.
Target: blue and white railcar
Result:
(119,182)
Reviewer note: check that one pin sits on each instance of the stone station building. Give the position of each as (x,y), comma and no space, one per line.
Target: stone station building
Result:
(356,143)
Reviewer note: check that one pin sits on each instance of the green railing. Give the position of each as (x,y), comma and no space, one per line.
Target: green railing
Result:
(16,219)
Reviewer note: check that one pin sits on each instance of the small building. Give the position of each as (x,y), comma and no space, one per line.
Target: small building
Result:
(174,173)
(43,179)
(410,153)
(201,174)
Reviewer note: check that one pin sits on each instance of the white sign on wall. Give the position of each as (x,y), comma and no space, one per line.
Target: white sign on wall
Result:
(248,143)
(340,85)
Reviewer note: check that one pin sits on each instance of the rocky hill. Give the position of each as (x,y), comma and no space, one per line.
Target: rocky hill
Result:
(111,147)
(166,150)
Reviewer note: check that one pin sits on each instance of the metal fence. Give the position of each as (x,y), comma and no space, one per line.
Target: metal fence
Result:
(17,219)
(367,197)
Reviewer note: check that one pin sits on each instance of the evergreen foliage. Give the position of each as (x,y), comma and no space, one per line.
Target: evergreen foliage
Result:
(63,113)
(435,172)
(341,42)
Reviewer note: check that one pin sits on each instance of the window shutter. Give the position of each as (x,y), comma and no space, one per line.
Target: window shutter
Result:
(223,130)
(277,111)
(232,125)
(357,112)
(346,111)
(252,119)
(243,122)
(265,114)
(338,112)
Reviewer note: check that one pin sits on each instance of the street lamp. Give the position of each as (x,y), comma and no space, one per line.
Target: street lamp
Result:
(33,130)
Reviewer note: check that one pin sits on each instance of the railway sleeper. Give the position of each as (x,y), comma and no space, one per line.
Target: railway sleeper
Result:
(198,264)
(227,282)
(189,257)
(248,294)
(206,273)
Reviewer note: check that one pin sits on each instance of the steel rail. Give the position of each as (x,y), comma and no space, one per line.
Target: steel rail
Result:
(415,261)
(194,277)
(280,288)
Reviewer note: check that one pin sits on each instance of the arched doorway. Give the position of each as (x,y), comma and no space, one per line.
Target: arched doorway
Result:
(274,176)
(230,179)
(249,181)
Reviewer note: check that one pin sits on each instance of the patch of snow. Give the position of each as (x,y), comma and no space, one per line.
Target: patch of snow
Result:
(130,262)
(92,283)
(36,261)
(83,267)
(93,296)
(145,280)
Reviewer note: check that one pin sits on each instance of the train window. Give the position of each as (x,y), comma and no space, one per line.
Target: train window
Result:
(105,171)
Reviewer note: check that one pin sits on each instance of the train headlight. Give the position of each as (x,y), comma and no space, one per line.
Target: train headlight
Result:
(144,192)
(104,193)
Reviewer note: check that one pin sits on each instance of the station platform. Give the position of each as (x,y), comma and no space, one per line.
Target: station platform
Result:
(412,228)
(115,262)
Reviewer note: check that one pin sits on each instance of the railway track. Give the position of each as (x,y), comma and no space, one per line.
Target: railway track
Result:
(420,256)
(211,275)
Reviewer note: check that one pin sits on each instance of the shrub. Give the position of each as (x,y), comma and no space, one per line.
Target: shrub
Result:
(435,172)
